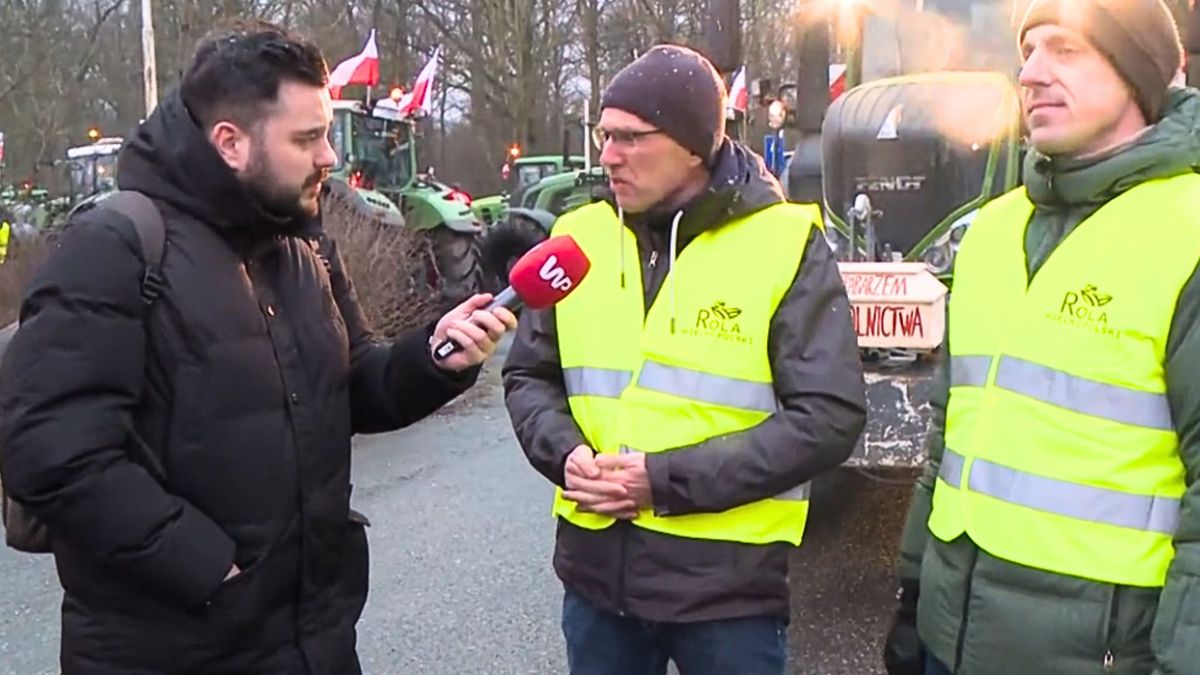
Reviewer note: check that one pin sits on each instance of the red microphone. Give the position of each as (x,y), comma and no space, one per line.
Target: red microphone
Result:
(545,275)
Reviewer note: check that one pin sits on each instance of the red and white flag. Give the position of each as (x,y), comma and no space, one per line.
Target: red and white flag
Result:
(362,68)
(420,97)
(837,80)
(739,96)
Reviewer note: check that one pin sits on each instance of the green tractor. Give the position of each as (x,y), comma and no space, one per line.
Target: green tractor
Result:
(927,132)
(518,175)
(90,174)
(530,215)
(909,162)
(376,173)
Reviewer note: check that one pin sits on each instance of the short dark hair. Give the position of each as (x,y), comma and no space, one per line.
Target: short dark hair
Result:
(237,69)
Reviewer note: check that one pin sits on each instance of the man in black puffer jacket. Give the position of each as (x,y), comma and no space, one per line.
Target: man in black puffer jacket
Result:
(192,460)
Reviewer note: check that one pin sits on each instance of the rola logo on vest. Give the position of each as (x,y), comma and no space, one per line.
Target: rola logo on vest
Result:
(1085,308)
(554,273)
(719,321)
(719,312)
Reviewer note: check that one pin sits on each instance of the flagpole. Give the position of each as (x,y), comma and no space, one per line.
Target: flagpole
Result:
(149,66)
(587,134)
(371,41)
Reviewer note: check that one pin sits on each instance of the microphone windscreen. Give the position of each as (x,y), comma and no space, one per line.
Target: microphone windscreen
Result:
(548,272)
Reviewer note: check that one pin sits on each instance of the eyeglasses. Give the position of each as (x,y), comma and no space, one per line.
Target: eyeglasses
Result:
(621,137)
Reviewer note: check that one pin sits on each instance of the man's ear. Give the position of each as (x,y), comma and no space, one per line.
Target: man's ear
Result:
(232,144)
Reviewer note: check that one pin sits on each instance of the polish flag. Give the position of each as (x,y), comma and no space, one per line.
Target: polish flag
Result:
(362,68)
(837,80)
(739,96)
(420,98)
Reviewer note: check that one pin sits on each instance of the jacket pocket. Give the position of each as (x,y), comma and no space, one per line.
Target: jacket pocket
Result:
(1176,634)
(237,603)
(231,592)
(349,591)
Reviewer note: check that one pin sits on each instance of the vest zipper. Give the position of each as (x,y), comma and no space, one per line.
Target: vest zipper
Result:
(653,259)
(1109,659)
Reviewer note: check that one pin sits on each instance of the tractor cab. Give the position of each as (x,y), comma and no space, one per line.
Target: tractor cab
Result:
(528,171)
(92,169)
(373,153)
(376,175)
(927,132)
(909,161)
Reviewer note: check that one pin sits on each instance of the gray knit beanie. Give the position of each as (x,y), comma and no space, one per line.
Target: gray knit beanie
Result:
(678,91)
(1139,37)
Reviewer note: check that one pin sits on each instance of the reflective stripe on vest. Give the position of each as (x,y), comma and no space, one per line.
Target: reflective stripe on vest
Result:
(1054,387)
(1061,453)
(699,386)
(685,371)
(603,382)
(1084,502)
(681,382)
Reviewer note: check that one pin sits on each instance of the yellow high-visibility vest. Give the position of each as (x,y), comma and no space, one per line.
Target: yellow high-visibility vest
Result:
(1060,453)
(695,366)
(5,233)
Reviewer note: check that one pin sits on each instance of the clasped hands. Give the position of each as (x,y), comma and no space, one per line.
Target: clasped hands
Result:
(610,485)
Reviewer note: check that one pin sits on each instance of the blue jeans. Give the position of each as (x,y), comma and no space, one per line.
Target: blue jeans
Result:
(935,667)
(600,643)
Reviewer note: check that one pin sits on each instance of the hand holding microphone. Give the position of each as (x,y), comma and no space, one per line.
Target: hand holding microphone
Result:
(542,277)
(476,328)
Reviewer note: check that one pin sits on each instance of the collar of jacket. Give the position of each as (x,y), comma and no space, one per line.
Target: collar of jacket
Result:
(1168,148)
(170,159)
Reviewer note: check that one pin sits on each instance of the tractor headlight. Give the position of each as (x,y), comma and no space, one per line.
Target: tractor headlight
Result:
(939,259)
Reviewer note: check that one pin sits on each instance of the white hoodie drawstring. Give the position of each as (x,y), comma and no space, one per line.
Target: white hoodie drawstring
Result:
(671,264)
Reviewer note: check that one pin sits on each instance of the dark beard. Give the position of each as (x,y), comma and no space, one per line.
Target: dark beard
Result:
(277,200)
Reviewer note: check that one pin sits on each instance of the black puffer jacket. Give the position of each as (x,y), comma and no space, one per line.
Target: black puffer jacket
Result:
(818,381)
(254,370)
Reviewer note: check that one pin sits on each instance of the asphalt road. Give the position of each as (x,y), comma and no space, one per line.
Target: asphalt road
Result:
(460,548)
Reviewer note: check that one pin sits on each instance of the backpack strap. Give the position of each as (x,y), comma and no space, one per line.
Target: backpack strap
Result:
(152,235)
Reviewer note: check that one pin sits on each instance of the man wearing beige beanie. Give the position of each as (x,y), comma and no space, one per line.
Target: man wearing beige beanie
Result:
(1056,527)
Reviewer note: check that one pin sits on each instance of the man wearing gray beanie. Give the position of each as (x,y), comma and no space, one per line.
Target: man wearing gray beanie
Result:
(1056,527)
(686,392)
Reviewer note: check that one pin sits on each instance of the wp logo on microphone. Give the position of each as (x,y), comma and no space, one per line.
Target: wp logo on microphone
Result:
(548,272)
(554,273)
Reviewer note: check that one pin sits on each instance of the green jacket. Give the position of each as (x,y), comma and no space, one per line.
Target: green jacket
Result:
(984,616)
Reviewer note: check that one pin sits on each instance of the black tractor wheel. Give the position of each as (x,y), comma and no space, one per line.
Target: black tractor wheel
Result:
(456,273)
(504,244)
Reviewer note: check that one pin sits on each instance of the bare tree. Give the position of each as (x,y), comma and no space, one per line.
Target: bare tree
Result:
(514,71)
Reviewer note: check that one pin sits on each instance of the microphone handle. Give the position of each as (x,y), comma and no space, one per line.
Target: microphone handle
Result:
(507,298)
